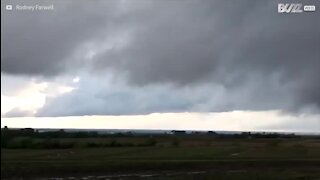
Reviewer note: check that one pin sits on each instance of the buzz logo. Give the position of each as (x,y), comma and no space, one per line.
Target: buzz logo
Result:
(290,8)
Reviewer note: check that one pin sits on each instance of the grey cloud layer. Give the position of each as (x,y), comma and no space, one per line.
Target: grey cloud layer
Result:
(262,59)
(43,43)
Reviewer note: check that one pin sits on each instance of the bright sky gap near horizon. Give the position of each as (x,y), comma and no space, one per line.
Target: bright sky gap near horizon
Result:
(160,64)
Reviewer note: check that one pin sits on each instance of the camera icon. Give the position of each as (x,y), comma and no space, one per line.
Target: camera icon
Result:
(8,7)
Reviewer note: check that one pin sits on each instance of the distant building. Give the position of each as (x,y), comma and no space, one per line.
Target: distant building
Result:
(212,133)
(178,132)
(27,130)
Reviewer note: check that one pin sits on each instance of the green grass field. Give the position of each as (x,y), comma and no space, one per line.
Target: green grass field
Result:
(203,158)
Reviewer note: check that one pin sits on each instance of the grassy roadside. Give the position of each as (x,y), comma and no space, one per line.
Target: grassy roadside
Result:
(246,158)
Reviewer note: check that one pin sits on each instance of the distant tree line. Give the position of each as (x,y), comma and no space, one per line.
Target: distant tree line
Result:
(236,135)
(31,138)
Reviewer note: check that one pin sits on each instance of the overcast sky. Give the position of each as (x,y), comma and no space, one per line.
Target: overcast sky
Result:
(206,61)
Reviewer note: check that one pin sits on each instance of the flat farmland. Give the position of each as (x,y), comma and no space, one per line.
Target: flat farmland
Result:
(168,158)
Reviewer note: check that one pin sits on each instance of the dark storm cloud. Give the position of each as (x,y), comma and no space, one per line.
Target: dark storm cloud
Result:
(226,43)
(42,43)
(262,59)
